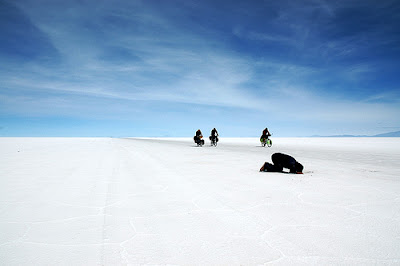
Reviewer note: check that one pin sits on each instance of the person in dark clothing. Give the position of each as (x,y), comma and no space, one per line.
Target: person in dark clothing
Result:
(281,161)
(198,138)
(265,134)
(199,134)
(214,135)
(287,161)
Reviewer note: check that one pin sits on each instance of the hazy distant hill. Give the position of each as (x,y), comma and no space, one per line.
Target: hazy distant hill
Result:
(390,134)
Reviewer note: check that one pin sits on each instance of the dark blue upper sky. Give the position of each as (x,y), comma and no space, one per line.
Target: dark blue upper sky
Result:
(167,68)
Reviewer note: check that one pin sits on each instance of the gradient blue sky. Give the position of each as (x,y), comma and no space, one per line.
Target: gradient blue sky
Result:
(166,68)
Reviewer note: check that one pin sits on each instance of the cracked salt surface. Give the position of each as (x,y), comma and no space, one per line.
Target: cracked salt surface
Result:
(90,201)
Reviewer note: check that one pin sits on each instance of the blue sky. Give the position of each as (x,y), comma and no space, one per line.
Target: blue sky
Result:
(166,68)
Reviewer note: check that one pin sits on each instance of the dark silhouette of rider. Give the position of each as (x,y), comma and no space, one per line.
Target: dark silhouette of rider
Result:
(198,136)
(214,134)
(265,134)
(198,133)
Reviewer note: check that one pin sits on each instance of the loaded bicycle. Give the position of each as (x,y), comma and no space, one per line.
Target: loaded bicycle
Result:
(266,141)
(214,140)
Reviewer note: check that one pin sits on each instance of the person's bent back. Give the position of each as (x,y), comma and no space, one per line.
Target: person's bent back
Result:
(281,161)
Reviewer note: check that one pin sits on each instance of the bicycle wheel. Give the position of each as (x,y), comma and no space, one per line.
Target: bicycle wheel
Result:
(269,143)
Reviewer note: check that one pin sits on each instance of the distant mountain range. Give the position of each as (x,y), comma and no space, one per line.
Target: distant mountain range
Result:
(384,135)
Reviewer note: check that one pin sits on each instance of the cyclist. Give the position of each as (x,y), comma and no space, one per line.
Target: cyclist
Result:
(265,135)
(198,136)
(214,135)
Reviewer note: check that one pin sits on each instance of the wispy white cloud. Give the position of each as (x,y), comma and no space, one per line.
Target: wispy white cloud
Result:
(261,36)
(175,65)
(391,96)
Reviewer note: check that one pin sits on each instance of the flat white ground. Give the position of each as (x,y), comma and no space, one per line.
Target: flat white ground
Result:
(104,201)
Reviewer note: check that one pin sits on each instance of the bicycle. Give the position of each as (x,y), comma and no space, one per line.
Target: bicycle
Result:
(214,141)
(266,142)
(198,140)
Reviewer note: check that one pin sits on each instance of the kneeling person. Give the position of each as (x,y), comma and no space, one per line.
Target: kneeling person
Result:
(281,161)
